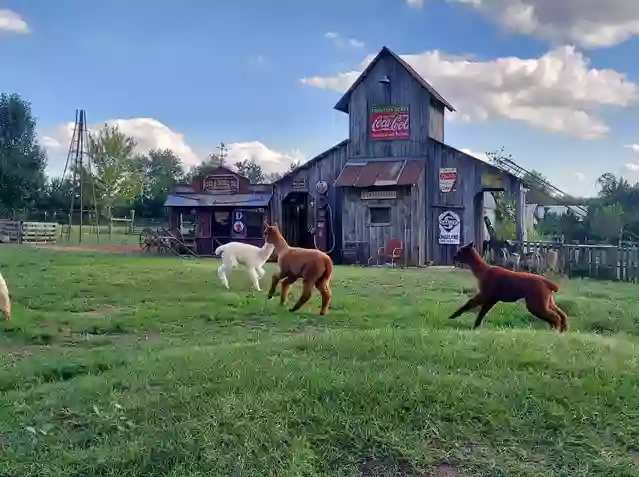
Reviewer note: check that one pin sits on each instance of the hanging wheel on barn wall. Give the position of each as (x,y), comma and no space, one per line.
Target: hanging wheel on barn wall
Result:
(148,239)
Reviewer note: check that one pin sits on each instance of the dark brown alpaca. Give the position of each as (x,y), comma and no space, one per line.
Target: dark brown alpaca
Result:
(313,266)
(498,284)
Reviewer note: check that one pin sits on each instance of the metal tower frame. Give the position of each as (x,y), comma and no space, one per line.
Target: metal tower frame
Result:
(78,166)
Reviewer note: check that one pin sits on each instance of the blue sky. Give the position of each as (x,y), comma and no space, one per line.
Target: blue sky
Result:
(190,74)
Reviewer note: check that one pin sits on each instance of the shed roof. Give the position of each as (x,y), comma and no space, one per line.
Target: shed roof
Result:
(378,173)
(342,104)
(221,200)
(312,161)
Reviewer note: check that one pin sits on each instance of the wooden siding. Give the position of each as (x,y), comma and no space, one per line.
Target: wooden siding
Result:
(436,120)
(466,200)
(403,90)
(326,169)
(406,214)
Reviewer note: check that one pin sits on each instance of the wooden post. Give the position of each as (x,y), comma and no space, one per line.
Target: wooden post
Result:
(520,207)
(132,223)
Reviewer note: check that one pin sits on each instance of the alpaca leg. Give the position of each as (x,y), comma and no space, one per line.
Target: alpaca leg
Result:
(474,302)
(304,297)
(325,291)
(543,312)
(261,272)
(286,286)
(221,272)
(560,312)
(254,278)
(485,308)
(275,279)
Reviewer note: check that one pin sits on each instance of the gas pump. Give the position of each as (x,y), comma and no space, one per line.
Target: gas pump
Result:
(323,219)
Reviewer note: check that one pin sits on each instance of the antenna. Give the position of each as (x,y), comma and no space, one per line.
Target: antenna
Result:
(78,166)
(223,150)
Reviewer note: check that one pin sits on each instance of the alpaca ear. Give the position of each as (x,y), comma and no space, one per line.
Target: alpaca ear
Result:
(275,225)
(471,244)
(266,224)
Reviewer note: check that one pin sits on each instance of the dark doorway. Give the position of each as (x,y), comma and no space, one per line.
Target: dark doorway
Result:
(297,220)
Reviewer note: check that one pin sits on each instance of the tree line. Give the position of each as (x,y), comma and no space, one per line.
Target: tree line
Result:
(610,217)
(119,177)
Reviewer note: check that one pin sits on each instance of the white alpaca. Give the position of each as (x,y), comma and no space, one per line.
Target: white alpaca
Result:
(252,257)
(5,301)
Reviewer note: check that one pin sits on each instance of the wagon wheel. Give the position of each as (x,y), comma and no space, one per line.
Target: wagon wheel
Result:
(177,239)
(164,241)
(147,239)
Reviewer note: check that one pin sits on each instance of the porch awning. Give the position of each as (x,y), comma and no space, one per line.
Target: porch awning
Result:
(377,173)
(222,200)
(180,201)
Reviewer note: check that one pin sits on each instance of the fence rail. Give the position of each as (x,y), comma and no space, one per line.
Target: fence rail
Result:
(605,262)
(15,231)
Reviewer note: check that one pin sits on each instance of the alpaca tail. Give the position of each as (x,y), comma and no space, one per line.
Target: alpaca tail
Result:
(328,270)
(553,287)
(220,249)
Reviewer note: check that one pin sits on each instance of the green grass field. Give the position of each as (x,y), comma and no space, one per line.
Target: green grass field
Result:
(142,366)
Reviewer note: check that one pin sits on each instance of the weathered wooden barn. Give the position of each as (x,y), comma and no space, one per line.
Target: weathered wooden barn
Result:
(220,207)
(393,178)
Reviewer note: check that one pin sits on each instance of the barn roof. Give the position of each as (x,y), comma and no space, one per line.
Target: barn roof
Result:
(221,200)
(312,161)
(342,104)
(386,172)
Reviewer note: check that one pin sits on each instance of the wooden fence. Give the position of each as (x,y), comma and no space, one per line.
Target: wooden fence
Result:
(606,262)
(14,231)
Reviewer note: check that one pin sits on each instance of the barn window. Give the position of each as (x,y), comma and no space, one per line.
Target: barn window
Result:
(380,215)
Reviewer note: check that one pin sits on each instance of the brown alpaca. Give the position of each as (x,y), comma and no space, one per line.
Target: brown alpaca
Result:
(498,284)
(313,266)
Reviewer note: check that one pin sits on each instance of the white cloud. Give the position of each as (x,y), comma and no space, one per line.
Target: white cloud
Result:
(580,176)
(415,3)
(588,23)
(12,22)
(340,41)
(633,147)
(479,155)
(558,92)
(630,167)
(152,134)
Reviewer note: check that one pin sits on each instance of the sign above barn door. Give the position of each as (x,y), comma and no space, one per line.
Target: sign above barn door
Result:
(389,122)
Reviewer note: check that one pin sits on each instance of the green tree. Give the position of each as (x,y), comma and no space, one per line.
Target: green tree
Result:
(606,222)
(162,169)
(250,169)
(275,176)
(22,160)
(117,170)
(207,166)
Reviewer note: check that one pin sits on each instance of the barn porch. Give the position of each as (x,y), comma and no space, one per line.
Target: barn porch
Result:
(382,202)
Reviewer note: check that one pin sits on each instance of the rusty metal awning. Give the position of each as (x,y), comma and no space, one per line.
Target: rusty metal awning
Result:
(378,173)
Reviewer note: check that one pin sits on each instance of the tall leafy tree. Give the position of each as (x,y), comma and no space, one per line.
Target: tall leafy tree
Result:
(208,165)
(162,169)
(22,160)
(250,169)
(117,170)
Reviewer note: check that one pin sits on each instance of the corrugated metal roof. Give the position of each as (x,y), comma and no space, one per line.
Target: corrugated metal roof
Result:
(411,172)
(369,174)
(180,201)
(227,200)
(377,173)
(349,175)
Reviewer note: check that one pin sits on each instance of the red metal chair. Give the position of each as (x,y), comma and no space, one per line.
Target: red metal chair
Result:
(391,252)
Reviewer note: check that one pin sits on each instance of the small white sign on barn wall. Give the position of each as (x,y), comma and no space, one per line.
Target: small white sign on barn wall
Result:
(449,228)
(447,179)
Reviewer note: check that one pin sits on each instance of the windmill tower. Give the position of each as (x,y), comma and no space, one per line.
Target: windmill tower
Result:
(77,171)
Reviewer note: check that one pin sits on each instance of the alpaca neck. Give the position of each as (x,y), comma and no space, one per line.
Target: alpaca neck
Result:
(267,250)
(280,246)
(477,264)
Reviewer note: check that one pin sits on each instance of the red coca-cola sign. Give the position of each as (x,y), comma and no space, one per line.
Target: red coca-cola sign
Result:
(390,122)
